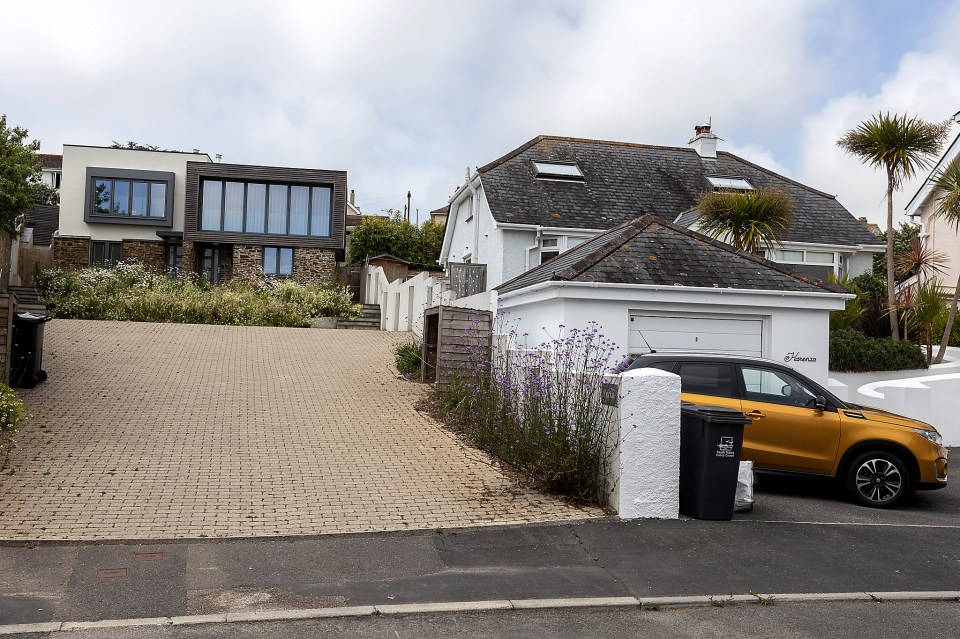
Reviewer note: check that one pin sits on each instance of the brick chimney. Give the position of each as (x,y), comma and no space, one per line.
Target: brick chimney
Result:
(704,142)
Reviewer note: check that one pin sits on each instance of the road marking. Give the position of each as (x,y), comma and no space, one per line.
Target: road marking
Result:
(844,523)
(650,603)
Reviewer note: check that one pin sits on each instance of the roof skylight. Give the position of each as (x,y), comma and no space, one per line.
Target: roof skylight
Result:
(728,182)
(557,170)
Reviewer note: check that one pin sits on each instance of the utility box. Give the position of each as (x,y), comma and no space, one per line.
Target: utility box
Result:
(454,339)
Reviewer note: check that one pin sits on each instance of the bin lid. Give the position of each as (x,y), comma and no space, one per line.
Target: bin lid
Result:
(716,414)
(26,315)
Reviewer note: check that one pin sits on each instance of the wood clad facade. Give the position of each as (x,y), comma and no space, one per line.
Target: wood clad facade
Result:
(453,339)
(337,180)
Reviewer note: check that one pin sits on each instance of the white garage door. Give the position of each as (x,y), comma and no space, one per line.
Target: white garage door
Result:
(696,334)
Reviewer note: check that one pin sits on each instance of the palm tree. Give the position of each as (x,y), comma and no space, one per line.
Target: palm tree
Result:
(901,146)
(927,309)
(749,220)
(947,182)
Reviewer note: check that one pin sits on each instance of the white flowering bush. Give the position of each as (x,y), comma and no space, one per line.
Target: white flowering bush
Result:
(130,292)
(11,413)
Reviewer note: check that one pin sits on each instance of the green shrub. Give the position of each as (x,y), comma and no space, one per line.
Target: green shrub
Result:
(407,359)
(853,352)
(130,292)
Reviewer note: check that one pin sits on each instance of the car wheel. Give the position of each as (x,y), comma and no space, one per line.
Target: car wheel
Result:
(878,479)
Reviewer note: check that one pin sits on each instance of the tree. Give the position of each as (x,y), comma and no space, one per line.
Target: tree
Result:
(926,309)
(394,235)
(20,187)
(901,146)
(749,220)
(947,183)
(902,237)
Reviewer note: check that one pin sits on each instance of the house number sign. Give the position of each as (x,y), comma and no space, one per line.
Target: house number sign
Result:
(608,394)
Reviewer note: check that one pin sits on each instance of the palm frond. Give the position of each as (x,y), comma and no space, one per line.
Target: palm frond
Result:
(749,220)
(900,144)
(947,182)
(920,258)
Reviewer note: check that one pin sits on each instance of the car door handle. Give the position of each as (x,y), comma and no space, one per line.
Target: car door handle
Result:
(755,415)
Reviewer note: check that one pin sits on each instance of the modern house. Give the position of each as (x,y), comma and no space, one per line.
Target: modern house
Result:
(172,210)
(655,285)
(936,233)
(554,193)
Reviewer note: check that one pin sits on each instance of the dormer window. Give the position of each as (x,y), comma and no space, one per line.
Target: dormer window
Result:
(550,170)
(729,183)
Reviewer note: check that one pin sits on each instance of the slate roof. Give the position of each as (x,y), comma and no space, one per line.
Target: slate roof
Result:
(44,220)
(625,180)
(649,251)
(51,161)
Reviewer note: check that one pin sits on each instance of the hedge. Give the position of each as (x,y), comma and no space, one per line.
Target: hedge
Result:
(854,352)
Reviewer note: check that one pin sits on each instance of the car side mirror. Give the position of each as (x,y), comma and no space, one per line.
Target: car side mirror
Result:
(820,402)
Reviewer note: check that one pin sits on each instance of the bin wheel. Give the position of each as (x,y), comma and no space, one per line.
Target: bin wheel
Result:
(878,479)
(41,376)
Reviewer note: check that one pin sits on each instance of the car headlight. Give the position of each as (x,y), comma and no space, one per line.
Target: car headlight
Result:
(932,435)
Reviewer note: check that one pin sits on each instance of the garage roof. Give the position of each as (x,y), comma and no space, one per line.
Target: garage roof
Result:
(622,180)
(650,251)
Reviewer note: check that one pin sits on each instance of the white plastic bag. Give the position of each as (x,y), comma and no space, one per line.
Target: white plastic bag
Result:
(744,499)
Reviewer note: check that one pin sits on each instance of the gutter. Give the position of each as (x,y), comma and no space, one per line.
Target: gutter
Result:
(660,287)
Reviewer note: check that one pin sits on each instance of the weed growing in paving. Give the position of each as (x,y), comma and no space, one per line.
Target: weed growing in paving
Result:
(130,292)
(538,410)
(407,359)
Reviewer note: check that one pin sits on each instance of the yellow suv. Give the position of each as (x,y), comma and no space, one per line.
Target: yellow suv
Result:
(798,427)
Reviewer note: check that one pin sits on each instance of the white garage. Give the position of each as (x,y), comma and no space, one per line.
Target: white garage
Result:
(649,284)
(685,333)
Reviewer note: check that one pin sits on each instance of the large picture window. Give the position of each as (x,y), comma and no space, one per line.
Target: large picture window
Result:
(272,209)
(121,196)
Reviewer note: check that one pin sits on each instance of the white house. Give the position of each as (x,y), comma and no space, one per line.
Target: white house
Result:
(553,193)
(654,285)
(935,232)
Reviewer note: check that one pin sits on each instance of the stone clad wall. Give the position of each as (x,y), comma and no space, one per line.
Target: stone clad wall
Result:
(313,264)
(147,252)
(71,253)
(247,261)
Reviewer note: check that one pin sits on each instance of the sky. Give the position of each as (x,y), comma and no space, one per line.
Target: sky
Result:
(407,95)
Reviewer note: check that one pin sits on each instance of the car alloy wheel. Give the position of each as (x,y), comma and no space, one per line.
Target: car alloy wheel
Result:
(878,479)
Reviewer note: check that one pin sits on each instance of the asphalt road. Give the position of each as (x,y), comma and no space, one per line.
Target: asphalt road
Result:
(800,537)
(900,620)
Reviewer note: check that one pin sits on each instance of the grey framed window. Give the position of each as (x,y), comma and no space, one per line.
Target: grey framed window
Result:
(122,196)
(105,253)
(265,208)
(277,261)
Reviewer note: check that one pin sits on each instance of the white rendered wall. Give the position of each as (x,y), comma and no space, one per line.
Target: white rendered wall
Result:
(859,263)
(791,324)
(645,466)
(942,237)
(73,193)
(931,399)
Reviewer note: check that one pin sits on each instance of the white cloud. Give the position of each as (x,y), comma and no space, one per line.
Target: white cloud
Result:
(923,84)
(405,95)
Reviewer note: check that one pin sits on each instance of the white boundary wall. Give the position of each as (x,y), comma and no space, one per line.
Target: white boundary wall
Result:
(928,395)
(644,474)
(402,302)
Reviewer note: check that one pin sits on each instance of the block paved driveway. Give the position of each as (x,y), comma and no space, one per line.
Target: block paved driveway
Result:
(148,431)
